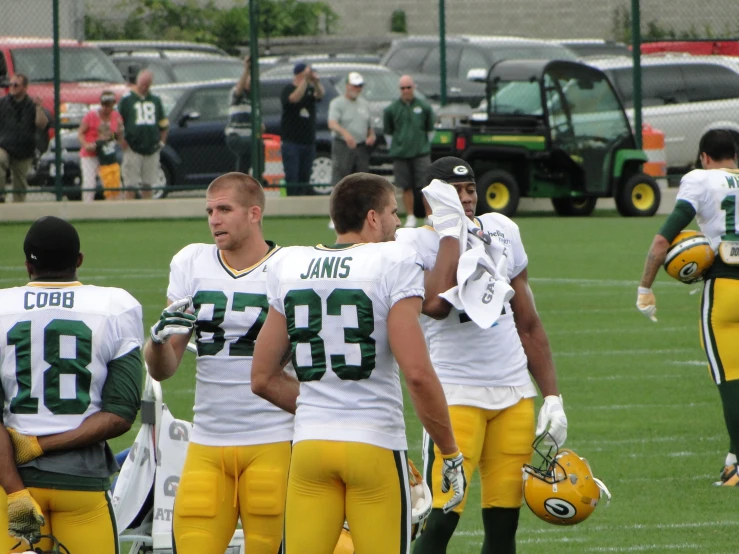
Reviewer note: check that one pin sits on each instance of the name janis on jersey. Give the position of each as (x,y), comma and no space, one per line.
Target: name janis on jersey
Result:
(42,299)
(327,268)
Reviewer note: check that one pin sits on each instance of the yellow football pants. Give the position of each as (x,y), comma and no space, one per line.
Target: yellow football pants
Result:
(496,441)
(110,176)
(720,328)
(218,485)
(82,521)
(331,481)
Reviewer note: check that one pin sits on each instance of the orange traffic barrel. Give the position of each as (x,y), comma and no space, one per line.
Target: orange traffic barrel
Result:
(653,144)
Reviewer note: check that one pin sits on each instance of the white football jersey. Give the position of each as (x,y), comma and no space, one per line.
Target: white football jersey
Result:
(231,307)
(56,341)
(462,353)
(713,195)
(336,301)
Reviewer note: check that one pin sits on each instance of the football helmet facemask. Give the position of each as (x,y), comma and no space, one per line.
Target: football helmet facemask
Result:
(689,257)
(562,489)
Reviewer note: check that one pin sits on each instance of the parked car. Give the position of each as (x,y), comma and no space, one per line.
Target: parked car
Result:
(111,47)
(595,47)
(175,66)
(85,73)
(695,47)
(419,57)
(682,96)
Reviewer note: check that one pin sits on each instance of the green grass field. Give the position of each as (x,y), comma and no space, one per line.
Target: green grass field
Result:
(640,403)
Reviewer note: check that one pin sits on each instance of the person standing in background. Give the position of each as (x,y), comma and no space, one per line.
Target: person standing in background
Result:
(239,128)
(351,127)
(145,132)
(298,127)
(408,124)
(20,116)
(93,145)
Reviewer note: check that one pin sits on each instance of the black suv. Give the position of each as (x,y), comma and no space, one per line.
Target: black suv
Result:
(177,66)
(419,57)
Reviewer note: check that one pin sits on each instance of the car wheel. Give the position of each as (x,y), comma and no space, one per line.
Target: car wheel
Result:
(580,206)
(160,189)
(638,197)
(321,173)
(497,191)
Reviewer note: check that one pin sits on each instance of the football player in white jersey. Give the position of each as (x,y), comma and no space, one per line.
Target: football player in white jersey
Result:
(343,313)
(71,372)
(484,372)
(710,196)
(239,452)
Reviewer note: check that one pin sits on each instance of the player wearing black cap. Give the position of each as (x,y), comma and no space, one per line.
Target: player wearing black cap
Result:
(70,378)
(484,372)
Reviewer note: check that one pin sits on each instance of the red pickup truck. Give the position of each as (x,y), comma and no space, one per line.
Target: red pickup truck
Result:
(84,69)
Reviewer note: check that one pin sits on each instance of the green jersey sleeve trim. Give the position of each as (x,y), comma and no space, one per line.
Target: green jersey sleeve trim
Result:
(682,214)
(122,390)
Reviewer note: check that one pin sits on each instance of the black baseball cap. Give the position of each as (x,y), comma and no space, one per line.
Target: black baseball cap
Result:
(52,244)
(451,170)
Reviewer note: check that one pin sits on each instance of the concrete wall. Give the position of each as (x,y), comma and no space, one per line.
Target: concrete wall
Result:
(534,18)
(178,208)
(34,18)
(528,18)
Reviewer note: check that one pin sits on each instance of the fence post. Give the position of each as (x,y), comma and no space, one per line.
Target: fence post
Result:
(442,52)
(636,74)
(57,123)
(257,159)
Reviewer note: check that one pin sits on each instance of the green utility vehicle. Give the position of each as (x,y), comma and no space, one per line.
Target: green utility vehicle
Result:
(550,129)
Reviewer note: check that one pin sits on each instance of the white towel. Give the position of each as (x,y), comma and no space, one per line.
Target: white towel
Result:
(443,198)
(482,287)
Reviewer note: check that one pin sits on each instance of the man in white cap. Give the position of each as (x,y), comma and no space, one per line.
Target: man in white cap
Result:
(351,128)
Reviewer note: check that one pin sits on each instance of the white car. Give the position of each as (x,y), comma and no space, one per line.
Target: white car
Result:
(683,96)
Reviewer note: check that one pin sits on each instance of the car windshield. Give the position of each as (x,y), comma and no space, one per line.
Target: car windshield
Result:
(582,105)
(531,52)
(169,96)
(75,64)
(207,70)
(379,86)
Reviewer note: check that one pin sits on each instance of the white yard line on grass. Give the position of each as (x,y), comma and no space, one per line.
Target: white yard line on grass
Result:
(646,548)
(626,352)
(645,406)
(620,528)
(636,330)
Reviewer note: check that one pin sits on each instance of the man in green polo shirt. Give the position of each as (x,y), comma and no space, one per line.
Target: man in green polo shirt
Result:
(145,132)
(408,124)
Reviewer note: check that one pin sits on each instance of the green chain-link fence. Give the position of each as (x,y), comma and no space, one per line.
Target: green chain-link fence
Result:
(682,94)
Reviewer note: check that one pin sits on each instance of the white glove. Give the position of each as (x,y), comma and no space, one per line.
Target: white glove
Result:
(453,478)
(552,418)
(646,303)
(173,321)
(447,214)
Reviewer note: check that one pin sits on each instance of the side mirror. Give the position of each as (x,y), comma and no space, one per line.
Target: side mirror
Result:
(189,116)
(477,75)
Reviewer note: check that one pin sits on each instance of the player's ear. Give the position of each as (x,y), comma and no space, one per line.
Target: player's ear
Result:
(80,257)
(255,214)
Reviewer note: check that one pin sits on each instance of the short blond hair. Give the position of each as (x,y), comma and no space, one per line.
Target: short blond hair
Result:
(249,191)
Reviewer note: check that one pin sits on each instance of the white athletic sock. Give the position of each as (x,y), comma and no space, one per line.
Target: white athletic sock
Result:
(730,459)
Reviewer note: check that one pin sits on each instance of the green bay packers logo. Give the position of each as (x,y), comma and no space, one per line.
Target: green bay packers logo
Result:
(559,508)
(460,170)
(688,271)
